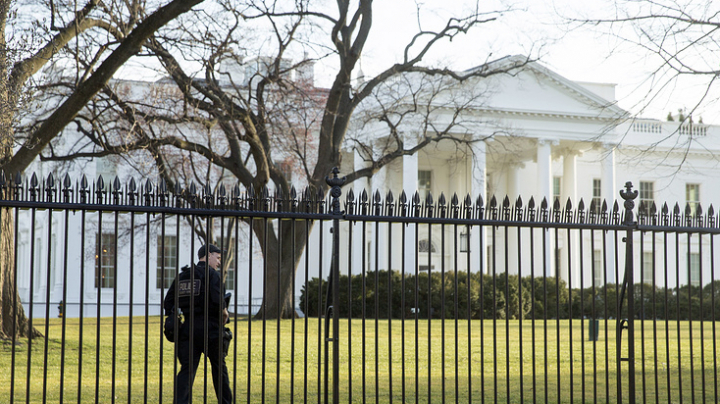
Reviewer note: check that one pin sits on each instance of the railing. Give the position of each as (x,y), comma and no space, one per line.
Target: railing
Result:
(423,301)
(687,129)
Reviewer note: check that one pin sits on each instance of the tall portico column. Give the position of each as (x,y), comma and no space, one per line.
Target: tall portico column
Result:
(545,190)
(478,174)
(609,194)
(544,171)
(379,243)
(410,179)
(569,188)
(359,185)
(570,191)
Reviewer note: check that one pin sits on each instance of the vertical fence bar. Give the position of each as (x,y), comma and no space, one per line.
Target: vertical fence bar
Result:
(628,285)
(335,193)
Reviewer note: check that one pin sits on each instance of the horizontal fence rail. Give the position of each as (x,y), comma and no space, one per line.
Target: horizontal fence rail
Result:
(383,299)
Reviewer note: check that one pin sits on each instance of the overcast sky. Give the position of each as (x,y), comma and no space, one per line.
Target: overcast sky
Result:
(540,28)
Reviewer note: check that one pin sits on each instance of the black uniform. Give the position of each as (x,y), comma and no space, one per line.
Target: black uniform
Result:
(193,287)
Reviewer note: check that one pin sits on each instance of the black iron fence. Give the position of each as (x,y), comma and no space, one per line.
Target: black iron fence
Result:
(384,299)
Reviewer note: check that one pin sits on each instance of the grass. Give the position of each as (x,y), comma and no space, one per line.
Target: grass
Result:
(495,362)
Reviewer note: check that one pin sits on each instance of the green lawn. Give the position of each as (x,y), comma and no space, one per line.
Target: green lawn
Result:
(482,364)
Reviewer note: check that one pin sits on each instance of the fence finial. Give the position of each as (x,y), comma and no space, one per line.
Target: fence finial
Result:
(335,191)
(629,195)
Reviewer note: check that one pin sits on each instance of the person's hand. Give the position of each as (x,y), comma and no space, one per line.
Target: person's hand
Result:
(226,316)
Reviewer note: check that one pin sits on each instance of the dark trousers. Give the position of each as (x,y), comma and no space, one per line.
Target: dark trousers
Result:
(189,360)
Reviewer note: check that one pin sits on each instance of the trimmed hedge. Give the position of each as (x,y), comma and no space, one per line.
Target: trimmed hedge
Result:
(441,296)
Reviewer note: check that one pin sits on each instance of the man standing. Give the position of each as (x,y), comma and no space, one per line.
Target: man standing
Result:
(200,298)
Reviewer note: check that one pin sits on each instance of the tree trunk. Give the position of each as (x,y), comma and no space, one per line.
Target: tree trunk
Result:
(277,298)
(12,315)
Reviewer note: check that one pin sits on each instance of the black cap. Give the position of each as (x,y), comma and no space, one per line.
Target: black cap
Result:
(209,248)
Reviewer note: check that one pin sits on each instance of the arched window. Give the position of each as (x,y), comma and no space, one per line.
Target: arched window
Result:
(426,246)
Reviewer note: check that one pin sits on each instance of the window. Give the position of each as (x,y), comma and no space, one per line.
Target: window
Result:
(424,184)
(167,256)
(597,194)
(465,242)
(694,273)
(556,189)
(692,195)
(426,246)
(105,261)
(648,268)
(647,195)
(597,267)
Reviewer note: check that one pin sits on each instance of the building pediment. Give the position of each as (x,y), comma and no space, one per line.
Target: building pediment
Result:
(531,89)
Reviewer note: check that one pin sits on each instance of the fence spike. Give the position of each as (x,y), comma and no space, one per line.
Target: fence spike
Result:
(604,206)
(116,184)
(699,210)
(506,202)
(293,193)
(364,196)
(67,182)
(416,198)
(389,199)
(493,202)
(50,183)
(18,178)
(653,209)
(568,205)
(544,204)
(441,200)
(429,199)
(454,200)
(3,181)
(133,186)
(403,197)
(581,205)
(83,182)
(711,211)
(518,202)
(34,181)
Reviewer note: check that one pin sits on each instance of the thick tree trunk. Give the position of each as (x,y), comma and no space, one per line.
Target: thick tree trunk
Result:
(12,315)
(279,275)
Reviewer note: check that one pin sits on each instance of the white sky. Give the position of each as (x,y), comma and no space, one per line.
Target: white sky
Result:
(537,28)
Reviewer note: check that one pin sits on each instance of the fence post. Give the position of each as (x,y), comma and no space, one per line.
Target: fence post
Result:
(335,193)
(628,286)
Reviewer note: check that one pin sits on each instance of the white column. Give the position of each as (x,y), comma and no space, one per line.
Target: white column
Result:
(477,188)
(410,179)
(544,170)
(379,242)
(545,190)
(569,188)
(608,175)
(570,191)
(359,186)
(513,192)
(609,194)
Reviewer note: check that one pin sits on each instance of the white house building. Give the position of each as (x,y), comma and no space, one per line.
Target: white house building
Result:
(533,133)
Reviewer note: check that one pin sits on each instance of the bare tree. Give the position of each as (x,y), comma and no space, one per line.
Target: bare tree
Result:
(108,33)
(206,123)
(678,40)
